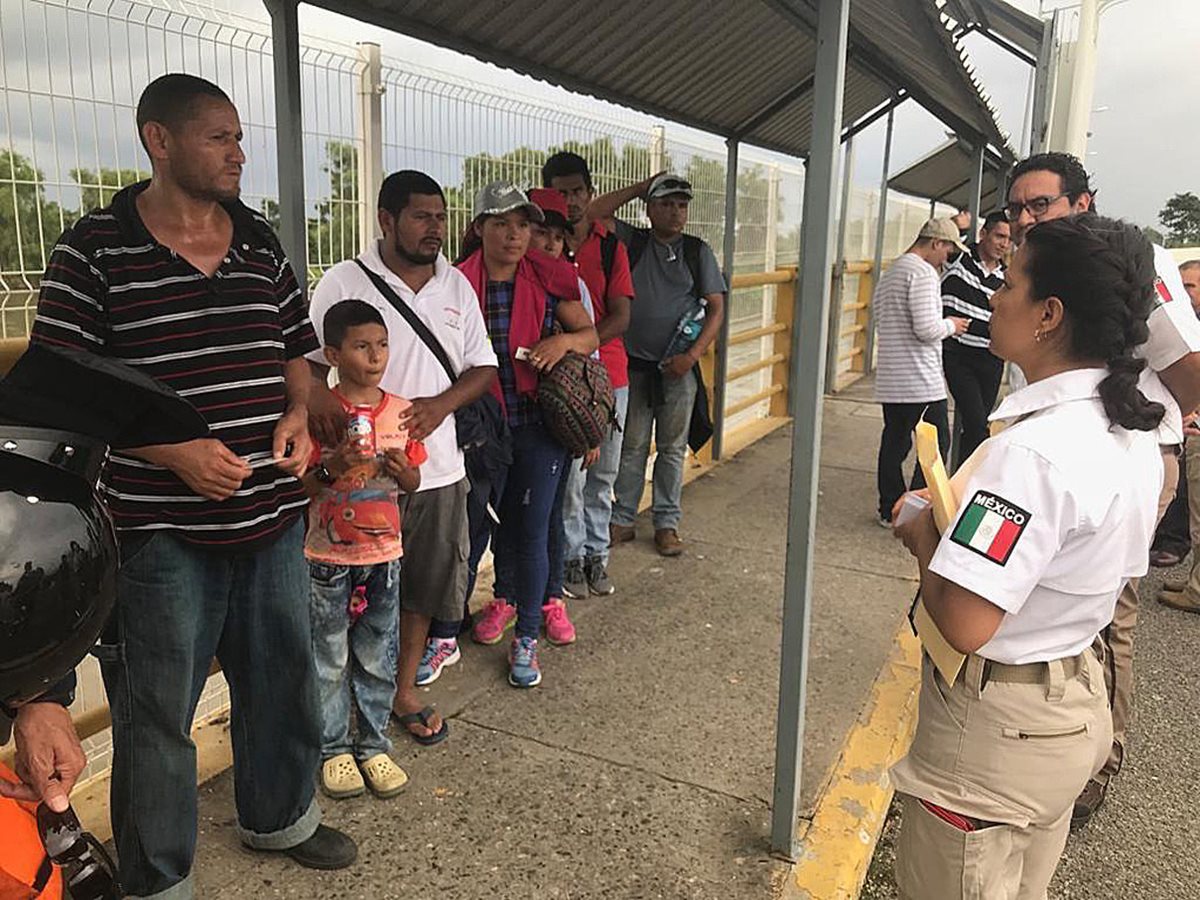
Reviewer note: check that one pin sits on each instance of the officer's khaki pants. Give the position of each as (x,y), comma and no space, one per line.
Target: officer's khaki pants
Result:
(1118,638)
(1192,449)
(1013,754)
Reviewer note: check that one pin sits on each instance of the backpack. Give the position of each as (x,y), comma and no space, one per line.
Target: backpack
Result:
(577,403)
(691,254)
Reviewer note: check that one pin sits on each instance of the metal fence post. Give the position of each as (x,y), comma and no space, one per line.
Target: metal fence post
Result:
(770,264)
(370,142)
(880,232)
(658,149)
(809,349)
(839,271)
(289,133)
(721,368)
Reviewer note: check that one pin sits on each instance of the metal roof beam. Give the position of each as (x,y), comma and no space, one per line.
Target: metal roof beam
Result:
(775,107)
(874,115)
(1001,42)
(872,60)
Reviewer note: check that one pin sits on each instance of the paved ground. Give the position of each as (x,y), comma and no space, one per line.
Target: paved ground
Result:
(642,768)
(1142,843)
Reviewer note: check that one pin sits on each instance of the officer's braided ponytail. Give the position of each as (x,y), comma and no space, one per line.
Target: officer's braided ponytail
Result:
(1103,272)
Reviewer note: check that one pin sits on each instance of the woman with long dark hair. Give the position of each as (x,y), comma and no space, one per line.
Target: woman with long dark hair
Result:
(1056,512)
(531,306)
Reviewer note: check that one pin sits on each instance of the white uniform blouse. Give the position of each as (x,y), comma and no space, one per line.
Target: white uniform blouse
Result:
(1057,511)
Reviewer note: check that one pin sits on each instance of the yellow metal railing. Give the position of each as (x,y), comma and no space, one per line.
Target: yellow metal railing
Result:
(779,331)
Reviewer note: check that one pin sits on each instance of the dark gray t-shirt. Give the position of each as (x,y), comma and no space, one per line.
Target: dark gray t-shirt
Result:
(662,292)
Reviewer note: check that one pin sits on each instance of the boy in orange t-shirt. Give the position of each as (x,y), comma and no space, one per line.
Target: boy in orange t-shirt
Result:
(354,545)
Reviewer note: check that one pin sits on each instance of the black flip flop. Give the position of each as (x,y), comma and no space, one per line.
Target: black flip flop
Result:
(422,717)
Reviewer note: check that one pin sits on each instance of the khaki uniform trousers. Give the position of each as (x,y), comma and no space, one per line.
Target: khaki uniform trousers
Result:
(1007,753)
(1192,450)
(1116,641)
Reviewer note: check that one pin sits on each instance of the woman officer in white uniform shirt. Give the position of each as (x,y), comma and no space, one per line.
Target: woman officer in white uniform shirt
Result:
(1056,512)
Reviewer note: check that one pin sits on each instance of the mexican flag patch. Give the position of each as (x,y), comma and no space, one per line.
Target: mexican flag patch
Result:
(991,526)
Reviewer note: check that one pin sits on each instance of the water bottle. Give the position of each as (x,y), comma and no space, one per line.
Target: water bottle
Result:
(686,332)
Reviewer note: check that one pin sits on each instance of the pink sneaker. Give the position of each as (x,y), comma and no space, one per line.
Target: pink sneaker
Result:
(559,629)
(497,617)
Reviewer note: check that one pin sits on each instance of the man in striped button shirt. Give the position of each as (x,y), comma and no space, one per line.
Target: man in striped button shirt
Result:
(908,373)
(179,279)
(972,371)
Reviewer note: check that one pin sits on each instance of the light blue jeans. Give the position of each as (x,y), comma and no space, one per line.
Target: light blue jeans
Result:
(669,418)
(588,502)
(356,664)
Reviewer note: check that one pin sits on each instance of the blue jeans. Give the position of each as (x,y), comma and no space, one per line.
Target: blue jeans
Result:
(669,418)
(356,664)
(587,506)
(179,606)
(521,543)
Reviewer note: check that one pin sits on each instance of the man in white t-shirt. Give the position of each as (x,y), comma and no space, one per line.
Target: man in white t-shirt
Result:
(1051,186)
(433,580)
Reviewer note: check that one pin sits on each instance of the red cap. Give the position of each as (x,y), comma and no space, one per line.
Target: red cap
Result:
(549,200)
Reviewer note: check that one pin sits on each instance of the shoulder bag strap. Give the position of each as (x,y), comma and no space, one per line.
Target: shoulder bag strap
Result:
(414,321)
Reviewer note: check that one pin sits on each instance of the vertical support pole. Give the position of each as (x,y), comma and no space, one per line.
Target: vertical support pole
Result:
(880,232)
(808,393)
(1043,90)
(932,207)
(1083,80)
(289,132)
(975,191)
(370,142)
(839,271)
(721,367)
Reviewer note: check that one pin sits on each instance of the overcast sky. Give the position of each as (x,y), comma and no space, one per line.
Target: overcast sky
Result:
(1145,146)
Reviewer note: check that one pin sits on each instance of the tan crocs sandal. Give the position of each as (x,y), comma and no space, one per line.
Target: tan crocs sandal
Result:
(384,777)
(340,777)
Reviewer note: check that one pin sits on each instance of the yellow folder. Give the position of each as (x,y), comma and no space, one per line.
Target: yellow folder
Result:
(949,662)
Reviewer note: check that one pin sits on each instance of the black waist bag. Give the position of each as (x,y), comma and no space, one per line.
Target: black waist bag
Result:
(483,433)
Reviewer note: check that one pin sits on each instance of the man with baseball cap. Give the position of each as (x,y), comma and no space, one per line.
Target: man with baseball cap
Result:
(674,276)
(910,330)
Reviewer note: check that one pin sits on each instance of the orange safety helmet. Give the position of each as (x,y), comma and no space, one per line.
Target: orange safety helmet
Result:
(25,870)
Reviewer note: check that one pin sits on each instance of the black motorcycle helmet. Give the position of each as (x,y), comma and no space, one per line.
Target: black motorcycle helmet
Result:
(58,557)
(60,410)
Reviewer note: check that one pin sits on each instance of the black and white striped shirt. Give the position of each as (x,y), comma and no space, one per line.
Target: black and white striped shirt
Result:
(967,291)
(221,342)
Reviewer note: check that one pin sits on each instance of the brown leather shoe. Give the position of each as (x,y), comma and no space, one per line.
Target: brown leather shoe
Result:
(620,534)
(1088,802)
(667,542)
(1180,600)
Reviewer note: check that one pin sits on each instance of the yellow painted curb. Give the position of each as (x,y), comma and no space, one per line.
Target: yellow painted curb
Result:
(837,845)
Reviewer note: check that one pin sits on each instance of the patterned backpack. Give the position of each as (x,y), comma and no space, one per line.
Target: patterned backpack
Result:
(577,403)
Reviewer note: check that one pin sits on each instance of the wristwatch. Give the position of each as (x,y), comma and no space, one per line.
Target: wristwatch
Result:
(323,474)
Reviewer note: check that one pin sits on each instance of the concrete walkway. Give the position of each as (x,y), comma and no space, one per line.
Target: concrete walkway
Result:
(1142,842)
(642,767)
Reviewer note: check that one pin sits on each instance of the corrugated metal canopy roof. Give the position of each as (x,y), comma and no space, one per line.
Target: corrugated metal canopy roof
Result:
(944,175)
(739,69)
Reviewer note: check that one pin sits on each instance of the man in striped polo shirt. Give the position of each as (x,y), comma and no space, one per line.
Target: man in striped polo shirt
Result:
(179,279)
(972,371)
(908,373)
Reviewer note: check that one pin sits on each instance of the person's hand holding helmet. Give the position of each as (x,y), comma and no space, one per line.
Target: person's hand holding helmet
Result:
(49,758)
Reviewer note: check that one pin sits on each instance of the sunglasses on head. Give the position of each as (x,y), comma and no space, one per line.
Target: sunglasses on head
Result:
(88,870)
(673,184)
